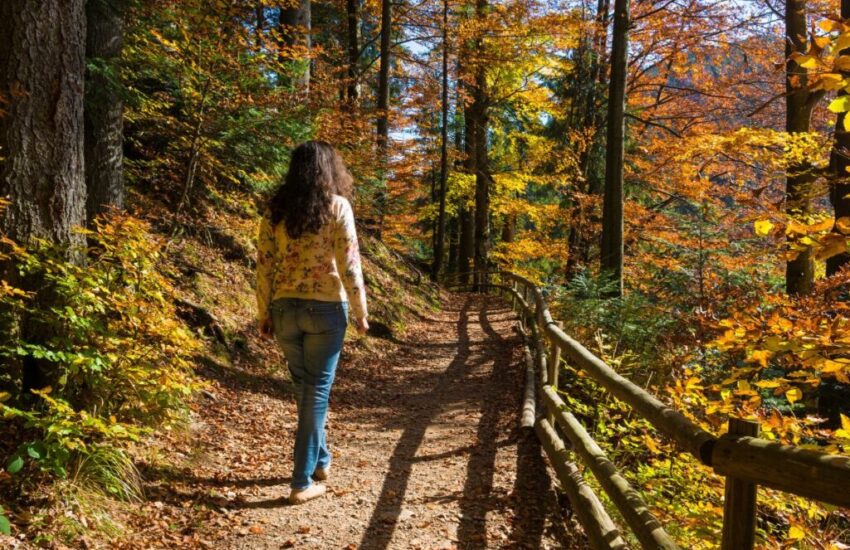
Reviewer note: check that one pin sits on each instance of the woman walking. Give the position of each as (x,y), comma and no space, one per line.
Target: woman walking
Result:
(308,276)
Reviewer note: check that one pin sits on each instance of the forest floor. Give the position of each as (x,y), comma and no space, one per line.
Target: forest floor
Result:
(427,451)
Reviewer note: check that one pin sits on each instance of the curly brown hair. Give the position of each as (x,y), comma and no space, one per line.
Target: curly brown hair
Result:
(303,201)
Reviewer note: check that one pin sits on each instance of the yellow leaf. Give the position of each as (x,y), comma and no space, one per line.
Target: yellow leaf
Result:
(763,227)
(840,104)
(650,443)
(768,384)
(808,62)
(793,395)
(845,423)
(4,395)
(829,25)
(743,385)
(759,356)
(795,533)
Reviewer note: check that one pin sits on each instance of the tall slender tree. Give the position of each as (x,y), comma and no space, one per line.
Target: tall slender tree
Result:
(478,113)
(104,107)
(439,244)
(352,13)
(294,27)
(384,77)
(800,271)
(612,210)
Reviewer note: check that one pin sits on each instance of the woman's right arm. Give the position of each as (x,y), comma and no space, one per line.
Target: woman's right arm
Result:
(347,252)
(265,269)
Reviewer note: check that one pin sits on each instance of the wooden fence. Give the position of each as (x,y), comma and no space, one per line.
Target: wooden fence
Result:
(745,460)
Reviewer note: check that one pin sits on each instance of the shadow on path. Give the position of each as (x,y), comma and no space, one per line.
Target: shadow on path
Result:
(386,513)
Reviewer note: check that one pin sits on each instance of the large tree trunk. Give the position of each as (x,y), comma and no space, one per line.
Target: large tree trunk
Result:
(104,107)
(799,272)
(384,78)
(612,211)
(42,52)
(352,10)
(42,73)
(294,27)
(439,244)
(839,194)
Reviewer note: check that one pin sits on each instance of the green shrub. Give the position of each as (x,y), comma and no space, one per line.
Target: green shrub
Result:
(111,345)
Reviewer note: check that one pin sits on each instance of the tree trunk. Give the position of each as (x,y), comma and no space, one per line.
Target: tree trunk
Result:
(509,229)
(479,113)
(467,216)
(439,244)
(260,25)
(294,27)
(42,52)
(451,267)
(799,272)
(612,211)
(466,245)
(839,194)
(384,78)
(104,107)
(352,9)
(42,74)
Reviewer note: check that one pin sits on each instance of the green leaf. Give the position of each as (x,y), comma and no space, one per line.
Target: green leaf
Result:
(34,451)
(5,526)
(14,466)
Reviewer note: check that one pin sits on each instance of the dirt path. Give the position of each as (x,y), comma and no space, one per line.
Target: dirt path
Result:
(427,450)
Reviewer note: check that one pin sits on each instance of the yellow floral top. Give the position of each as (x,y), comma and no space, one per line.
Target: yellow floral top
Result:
(323,266)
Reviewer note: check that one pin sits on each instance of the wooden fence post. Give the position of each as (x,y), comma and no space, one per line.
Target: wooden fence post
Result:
(739,506)
(553,368)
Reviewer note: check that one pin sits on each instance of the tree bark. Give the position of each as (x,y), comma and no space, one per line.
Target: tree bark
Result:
(384,78)
(839,194)
(612,211)
(294,27)
(439,244)
(42,52)
(799,272)
(104,107)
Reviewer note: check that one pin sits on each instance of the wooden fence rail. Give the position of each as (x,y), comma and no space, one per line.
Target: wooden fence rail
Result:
(745,460)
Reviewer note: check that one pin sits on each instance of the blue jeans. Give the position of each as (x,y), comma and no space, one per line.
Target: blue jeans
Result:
(310,333)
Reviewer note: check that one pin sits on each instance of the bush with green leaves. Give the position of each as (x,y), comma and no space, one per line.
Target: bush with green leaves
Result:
(116,356)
